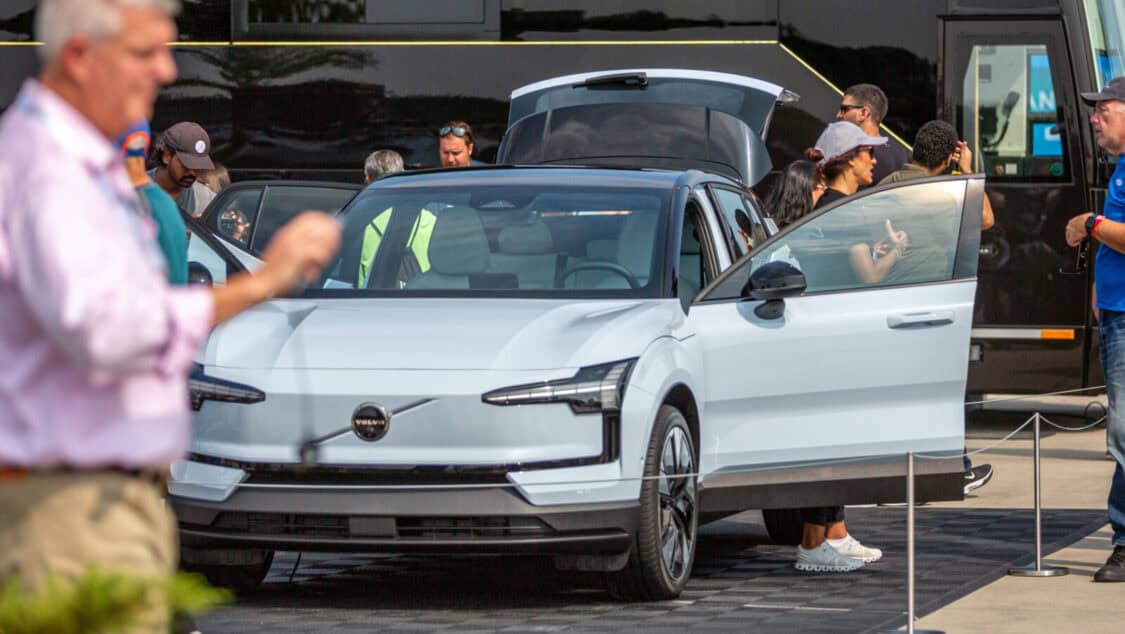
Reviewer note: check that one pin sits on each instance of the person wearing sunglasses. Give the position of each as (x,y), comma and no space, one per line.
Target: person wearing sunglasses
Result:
(455,144)
(865,105)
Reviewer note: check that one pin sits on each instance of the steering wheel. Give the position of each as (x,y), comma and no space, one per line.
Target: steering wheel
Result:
(601,266)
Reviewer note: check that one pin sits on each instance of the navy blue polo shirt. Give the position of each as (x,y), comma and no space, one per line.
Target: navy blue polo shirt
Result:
(1109,277)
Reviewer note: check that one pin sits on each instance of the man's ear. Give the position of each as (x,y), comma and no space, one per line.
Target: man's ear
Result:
(165,158)
(74,58)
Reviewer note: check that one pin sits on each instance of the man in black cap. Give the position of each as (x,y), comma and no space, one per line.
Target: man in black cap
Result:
(1108,228)
(182,149)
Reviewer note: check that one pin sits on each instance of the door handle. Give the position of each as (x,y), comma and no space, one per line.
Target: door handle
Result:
(920,320)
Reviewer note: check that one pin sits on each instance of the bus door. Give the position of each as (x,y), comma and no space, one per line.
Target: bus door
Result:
(1008,88)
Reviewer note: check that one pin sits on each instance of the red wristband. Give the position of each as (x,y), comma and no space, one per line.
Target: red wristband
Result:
(1097,221)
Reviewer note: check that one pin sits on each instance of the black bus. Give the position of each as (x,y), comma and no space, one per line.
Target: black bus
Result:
(307,88)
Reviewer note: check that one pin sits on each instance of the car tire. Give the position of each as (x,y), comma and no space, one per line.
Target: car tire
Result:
(663,549)
(785,526)
(240,578)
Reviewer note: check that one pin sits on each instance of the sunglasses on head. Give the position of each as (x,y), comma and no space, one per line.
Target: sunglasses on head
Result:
(455,130)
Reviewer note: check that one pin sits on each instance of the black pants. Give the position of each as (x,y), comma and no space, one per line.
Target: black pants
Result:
(822,515)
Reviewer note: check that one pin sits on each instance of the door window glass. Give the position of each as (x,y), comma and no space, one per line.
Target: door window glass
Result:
(905,235)
(1009,113)
(743,227)
(236,214)
(282,203)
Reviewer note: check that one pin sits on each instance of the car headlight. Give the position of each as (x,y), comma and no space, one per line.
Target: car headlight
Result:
(208,388)
(593,389)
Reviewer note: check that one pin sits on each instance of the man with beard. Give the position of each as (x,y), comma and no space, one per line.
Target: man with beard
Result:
(184,148)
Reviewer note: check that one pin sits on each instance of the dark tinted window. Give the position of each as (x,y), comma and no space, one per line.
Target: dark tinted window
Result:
(748,104)
(204,21)
(602,19)
(235,214)
(282,203)
(16,20)
(634,135)
(341,19)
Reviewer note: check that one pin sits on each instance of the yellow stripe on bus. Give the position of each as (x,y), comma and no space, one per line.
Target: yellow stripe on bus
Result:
(450,43)
(1057,334)
(840,92)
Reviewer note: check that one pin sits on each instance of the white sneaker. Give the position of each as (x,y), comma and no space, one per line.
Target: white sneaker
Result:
(824,558)
(850,547)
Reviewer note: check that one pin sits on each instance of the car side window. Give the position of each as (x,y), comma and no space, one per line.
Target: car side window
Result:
(905,235)
(693,273)
(743,227)
(236,215)
(281,203)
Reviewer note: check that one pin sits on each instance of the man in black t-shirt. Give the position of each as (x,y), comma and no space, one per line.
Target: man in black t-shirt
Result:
(866,105)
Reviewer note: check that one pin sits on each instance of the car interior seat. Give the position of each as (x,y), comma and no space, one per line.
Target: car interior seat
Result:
(527,250)
(458,250)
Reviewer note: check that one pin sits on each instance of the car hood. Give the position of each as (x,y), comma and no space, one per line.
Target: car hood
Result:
(439,334)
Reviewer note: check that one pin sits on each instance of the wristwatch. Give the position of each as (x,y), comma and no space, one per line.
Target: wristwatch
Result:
(1091,222)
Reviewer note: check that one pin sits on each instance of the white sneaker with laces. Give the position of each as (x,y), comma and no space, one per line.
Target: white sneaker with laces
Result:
(850,547)
(824,558)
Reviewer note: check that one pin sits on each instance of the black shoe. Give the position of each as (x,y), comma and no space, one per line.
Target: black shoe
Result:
(977,477)
(1114,568)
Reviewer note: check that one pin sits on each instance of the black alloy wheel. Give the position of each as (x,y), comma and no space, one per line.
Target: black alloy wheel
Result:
(663,550)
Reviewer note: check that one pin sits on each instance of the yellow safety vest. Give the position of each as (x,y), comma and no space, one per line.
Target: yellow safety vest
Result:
(419,241)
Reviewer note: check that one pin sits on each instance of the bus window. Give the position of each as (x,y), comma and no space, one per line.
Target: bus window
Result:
(364,19)
(1009,114)
(1104,19)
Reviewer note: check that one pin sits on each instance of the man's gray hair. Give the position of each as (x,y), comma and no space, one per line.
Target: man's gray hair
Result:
(56,21)
(381,163)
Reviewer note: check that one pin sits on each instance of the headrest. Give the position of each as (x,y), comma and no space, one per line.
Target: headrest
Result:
(458,245)
(530,239)
(637,242)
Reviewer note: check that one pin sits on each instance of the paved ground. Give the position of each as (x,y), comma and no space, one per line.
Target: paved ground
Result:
(741,582)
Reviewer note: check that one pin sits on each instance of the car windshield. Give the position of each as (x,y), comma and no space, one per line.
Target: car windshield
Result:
(506,240)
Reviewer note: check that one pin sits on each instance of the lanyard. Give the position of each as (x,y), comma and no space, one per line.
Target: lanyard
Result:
(128,204)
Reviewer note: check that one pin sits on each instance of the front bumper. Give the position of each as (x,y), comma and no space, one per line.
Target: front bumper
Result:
(338,519)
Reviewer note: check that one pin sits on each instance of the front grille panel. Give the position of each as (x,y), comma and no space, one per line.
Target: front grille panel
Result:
(398,528)
(435,528)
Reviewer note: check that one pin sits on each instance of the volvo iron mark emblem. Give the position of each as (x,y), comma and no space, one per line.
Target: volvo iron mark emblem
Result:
(371,421)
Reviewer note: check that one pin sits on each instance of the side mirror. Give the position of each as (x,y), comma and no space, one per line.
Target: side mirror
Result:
(773,282)
(198,274)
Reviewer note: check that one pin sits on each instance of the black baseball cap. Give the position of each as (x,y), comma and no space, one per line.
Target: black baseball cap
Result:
(191,144)
(1113,91)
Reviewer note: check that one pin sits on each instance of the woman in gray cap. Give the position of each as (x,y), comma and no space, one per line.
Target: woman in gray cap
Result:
(845,156)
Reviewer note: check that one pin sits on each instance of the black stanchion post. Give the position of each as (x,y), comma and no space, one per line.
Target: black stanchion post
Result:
(1038,570)
(910,550)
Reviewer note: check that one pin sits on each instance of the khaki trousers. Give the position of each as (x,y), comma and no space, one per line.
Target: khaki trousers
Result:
(59,523)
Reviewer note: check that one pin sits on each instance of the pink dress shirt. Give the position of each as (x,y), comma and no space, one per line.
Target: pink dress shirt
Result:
(94,345)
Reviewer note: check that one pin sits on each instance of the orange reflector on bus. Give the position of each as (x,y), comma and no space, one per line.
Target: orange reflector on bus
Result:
(1064,334)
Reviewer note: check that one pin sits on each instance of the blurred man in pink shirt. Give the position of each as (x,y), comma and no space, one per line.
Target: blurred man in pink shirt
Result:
(95,344)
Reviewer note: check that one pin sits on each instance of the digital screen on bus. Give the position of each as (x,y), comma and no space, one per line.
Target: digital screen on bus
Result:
(1045,140)
(1040,88)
